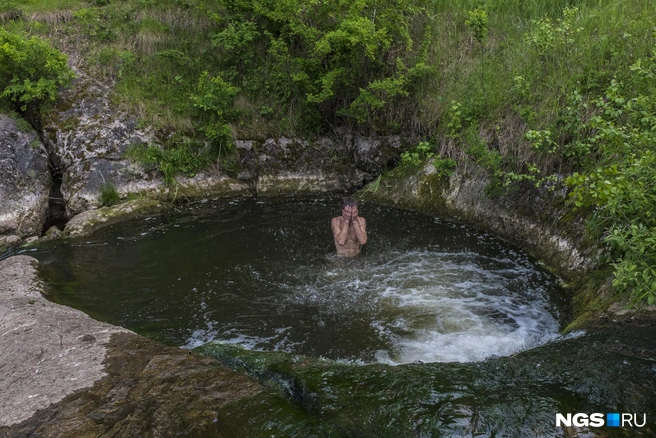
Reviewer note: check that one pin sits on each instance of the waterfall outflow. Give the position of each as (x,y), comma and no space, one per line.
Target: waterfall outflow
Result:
(413,306)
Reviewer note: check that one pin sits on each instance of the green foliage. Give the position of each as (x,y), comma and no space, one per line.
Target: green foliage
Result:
(479,152)
(185,156)
(477,23)
(21,124)
(415,157)
(30,70)
(108,195)
(445,166)
(371,188)
(546,37)
(542,141)
(215,97)
(620,186)
(454,117)
(331,60)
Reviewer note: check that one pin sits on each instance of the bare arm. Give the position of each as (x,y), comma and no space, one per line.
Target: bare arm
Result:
(340,230)
(360,226)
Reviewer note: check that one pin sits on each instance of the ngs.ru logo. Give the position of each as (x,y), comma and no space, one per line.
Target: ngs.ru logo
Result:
(597,420)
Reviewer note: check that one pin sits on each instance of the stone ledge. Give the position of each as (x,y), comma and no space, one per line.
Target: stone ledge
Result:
(63,374)
(47,351)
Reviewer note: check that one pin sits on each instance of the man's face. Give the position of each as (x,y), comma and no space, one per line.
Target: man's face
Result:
(350,210)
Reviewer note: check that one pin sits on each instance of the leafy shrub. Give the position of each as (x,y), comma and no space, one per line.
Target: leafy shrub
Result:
(215,97)
(620,185)
(186,156)
(445,166)
(21,124)
(30,70)
(331,59)
(418,155)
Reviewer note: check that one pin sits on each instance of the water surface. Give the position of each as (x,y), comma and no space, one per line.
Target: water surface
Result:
(262,274)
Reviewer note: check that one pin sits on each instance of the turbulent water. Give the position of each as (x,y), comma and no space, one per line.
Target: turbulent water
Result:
(262,274)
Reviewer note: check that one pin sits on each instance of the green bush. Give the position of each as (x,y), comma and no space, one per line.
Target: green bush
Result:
(418,155)
(330,61)
(445,166)
(620,185)
(30,70)
(185,156)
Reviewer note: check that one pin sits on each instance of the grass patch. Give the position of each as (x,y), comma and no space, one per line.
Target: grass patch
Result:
(108,195)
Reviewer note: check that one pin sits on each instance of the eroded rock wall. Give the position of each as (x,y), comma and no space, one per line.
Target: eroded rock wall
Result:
(87,138)
(25,183)
(531,218)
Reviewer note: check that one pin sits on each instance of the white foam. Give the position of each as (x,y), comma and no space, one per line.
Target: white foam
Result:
(435,307)
(423,306)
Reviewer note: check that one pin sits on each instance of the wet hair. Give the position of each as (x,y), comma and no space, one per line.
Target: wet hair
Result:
(348,202)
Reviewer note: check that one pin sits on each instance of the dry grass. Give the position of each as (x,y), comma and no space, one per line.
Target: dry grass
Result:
(54,19)
(148,43)
(9,16)
(177,20)
(255,126)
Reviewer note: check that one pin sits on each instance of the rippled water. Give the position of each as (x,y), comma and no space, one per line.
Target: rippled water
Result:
(262,274)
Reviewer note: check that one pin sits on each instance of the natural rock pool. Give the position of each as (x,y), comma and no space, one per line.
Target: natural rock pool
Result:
(260,277)
(262,274)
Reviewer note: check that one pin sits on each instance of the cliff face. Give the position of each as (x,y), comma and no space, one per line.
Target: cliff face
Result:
(87,138)
(25,183)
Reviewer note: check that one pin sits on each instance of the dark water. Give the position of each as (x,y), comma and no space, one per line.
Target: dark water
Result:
(262,274)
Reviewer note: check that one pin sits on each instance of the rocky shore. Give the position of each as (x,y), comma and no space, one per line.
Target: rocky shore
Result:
(63,374)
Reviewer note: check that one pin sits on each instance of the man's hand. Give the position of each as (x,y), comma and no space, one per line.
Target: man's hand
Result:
(347,214)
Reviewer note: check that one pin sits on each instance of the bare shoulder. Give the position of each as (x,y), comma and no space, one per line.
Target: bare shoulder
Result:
(336,222)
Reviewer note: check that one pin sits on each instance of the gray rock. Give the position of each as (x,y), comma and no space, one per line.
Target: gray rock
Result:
(62,374)
(42,357)
(7,242)
(87,138)
(31,240)
(286,166)
(25,181)
(53,233)
(91,220)
(528,217)
(374,155)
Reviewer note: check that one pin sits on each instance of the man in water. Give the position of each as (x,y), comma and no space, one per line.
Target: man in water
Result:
(349,229)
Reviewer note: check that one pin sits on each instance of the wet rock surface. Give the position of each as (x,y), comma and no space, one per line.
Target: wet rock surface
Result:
(528,217)
(91,220)
(63,374)
(24,182)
